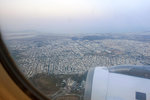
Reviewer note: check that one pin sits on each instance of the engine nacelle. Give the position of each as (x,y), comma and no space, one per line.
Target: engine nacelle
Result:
(118,83)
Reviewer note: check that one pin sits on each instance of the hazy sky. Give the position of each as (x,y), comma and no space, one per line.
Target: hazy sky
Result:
(75,16)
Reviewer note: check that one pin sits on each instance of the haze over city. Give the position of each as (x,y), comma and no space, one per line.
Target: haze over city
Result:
(75,16)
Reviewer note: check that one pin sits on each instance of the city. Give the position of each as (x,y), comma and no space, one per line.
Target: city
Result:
(75,54)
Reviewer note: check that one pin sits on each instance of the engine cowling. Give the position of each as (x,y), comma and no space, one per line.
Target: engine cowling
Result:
(118,83)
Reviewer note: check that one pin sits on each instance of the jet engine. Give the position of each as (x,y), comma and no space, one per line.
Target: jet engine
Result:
(118,83)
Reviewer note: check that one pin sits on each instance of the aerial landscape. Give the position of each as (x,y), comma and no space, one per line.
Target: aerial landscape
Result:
(55,43)
(61,61)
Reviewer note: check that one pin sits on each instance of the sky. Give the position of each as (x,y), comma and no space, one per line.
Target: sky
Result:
(75,16)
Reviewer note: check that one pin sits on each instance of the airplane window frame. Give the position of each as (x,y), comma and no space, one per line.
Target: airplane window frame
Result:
(11,68)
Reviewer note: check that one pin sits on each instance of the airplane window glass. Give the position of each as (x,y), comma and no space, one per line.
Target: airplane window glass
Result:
(61,45)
